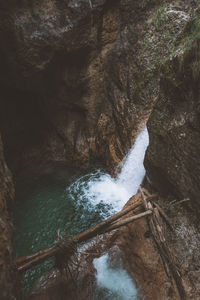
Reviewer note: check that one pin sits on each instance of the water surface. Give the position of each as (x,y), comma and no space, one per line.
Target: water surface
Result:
(72,200)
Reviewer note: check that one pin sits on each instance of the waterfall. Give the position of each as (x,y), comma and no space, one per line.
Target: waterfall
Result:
(100,193)
(133,170)
(100,189)
(115,282)
(62,198)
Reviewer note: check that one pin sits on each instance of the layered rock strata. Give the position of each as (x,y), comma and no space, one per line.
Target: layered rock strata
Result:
(77,80)
(72,87)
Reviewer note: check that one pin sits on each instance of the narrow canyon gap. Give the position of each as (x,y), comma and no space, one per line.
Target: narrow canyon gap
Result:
(78,80)
(45,204)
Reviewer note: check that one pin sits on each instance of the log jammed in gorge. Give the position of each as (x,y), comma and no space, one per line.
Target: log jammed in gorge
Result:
(28,261)
(158,231)
(143,206)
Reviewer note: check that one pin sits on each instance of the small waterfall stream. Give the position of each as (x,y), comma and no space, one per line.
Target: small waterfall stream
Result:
(133,170)
(100,189)
(72,201)
(115,282)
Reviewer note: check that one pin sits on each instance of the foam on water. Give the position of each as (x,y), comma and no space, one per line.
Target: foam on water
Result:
(115,282)
(58,200)
(99,188)
(100,192)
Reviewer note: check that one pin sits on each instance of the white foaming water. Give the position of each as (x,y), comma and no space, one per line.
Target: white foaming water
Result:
(133,170)
(100,188)
(100,192)
(115,282)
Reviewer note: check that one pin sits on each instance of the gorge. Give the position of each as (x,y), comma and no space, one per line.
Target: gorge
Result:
(78,82)
(62,199)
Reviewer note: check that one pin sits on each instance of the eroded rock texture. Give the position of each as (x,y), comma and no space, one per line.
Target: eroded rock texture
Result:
(76,84)
(144,262)
(8,288)
(173,160)
(68,77)
(131,246)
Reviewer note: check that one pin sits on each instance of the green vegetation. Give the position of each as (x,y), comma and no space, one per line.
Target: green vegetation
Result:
(159,17)
(162,31)
(189,46)
(192,30)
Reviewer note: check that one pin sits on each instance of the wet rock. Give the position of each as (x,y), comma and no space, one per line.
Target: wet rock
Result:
(115,257)
(68,76)
(172,160)
(77,83)
(142,260)
(184,243)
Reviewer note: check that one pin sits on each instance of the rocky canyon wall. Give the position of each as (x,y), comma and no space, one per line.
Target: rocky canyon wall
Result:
(173,160)
(68,80)
(78,81)
(69,76)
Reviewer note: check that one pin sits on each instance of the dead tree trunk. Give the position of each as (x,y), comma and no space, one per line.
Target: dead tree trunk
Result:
(25,262)
(53,251)
(157,229)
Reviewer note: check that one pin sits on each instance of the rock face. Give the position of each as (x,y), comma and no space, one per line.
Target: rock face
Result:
(77,81)
(7,274)
(173,160)
(144,263)
(68,80)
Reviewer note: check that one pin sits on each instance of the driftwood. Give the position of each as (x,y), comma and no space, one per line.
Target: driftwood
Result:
(28,261)
(165,217)
(143,198)
(35,258)
(146,191)
(83,235)
(90,2)
(54,251)
(90,233)
(161,211)
(157,229)
(175,202)
(128,220)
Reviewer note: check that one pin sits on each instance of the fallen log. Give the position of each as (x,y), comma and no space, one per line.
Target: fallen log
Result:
(161,211)
(90,3)
(148,195)
(145,203)
(165,217)
(128,220)
(146,191)
(54,250)
(168,259)
(90,233)
(25,262)
(36,258)
(175,202)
